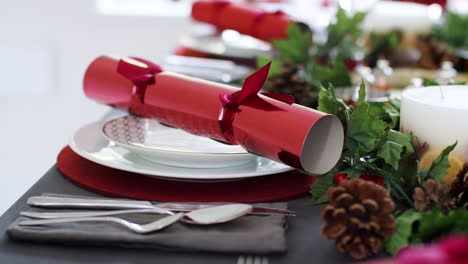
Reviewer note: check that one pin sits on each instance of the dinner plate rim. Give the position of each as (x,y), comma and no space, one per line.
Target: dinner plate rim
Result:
(154,173)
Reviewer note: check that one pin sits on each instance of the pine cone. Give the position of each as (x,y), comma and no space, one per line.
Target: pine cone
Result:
(433,193)
(358,217)
(433,52)
(290,82)
(459,187)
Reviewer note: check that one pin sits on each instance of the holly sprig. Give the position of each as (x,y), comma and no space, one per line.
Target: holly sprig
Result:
(293,49)
(452,31)
(381,44)
(342,35)
(413,227)
(373,146)
(323,62)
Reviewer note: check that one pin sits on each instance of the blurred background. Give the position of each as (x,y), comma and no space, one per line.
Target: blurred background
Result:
(45,47)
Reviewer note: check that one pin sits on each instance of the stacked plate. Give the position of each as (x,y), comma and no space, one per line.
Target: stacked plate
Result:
(145,146)
(229,43)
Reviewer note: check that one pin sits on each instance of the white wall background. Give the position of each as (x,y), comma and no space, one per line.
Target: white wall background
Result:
(45,47)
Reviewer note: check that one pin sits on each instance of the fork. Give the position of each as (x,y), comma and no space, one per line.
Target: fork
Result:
(137,228)
(54,215)
(252,260)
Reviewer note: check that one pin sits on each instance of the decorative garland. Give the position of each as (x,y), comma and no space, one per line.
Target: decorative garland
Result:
(379,197)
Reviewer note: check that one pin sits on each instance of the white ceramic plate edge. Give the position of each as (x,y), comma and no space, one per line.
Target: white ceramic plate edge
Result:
(192,176)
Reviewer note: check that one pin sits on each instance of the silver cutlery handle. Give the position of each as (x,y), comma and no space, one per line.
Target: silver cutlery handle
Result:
(121,204)
(74,219)
(68,202)
(137,228)
(47,215)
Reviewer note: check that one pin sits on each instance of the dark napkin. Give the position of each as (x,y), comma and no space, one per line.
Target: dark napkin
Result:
(247,234)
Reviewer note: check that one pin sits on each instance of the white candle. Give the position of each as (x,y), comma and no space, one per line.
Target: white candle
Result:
(408,17)
(437,116)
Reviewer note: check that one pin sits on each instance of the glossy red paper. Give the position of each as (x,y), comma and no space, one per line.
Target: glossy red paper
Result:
(244,18)
(270,126)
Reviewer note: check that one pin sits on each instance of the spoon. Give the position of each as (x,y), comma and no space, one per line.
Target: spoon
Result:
(217,214)
(204,216)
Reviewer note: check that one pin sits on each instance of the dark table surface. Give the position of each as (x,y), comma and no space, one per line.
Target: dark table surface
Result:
(304,242)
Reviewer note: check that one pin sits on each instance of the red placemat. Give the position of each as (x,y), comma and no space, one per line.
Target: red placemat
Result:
(118,183)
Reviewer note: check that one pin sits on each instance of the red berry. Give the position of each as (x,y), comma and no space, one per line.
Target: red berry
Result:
(367,176)
(351,64)
(371,177)
(379,180)
(339,177)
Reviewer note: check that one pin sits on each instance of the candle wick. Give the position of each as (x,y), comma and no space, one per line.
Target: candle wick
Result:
(442,96)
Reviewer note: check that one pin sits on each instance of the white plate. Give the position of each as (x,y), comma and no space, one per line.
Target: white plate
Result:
(230,44)
(170,146)
(89,143)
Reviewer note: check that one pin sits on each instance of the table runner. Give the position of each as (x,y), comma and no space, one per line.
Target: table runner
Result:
(304,241)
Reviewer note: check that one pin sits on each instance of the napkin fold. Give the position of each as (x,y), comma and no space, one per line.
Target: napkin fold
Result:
(247,234)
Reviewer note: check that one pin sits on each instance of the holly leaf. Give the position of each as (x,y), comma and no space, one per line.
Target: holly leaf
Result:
(336,74)
(452,31)
(433,224)
(422,227)
(402,139)
(403,231)
(429,82)
(363,131)
(342,34)
(439,167)
(381,44)
(395,102)
(275,67)
(384,111)
(329,102)
(352,172)
(319,189)
(296,47)
(391,153)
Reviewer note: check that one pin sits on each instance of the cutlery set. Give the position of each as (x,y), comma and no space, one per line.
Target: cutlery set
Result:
(190,213)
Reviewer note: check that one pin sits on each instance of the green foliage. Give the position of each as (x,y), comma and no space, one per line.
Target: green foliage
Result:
(276,64)
(422,227)
(372,145)
(396,103)
(404,229)
(370,142)
(319,189)
(440,165)
(386,112)
(329,102)
(397,146)
(453,31)
(342,35)
(381,44)
(296,47)
(336,73)
(391,153)
(363,131)
(323,62)
(429,82)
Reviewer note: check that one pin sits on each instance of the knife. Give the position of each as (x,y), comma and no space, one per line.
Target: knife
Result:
(116,204)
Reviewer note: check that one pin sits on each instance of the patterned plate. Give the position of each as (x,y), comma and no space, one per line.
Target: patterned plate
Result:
(170,146)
